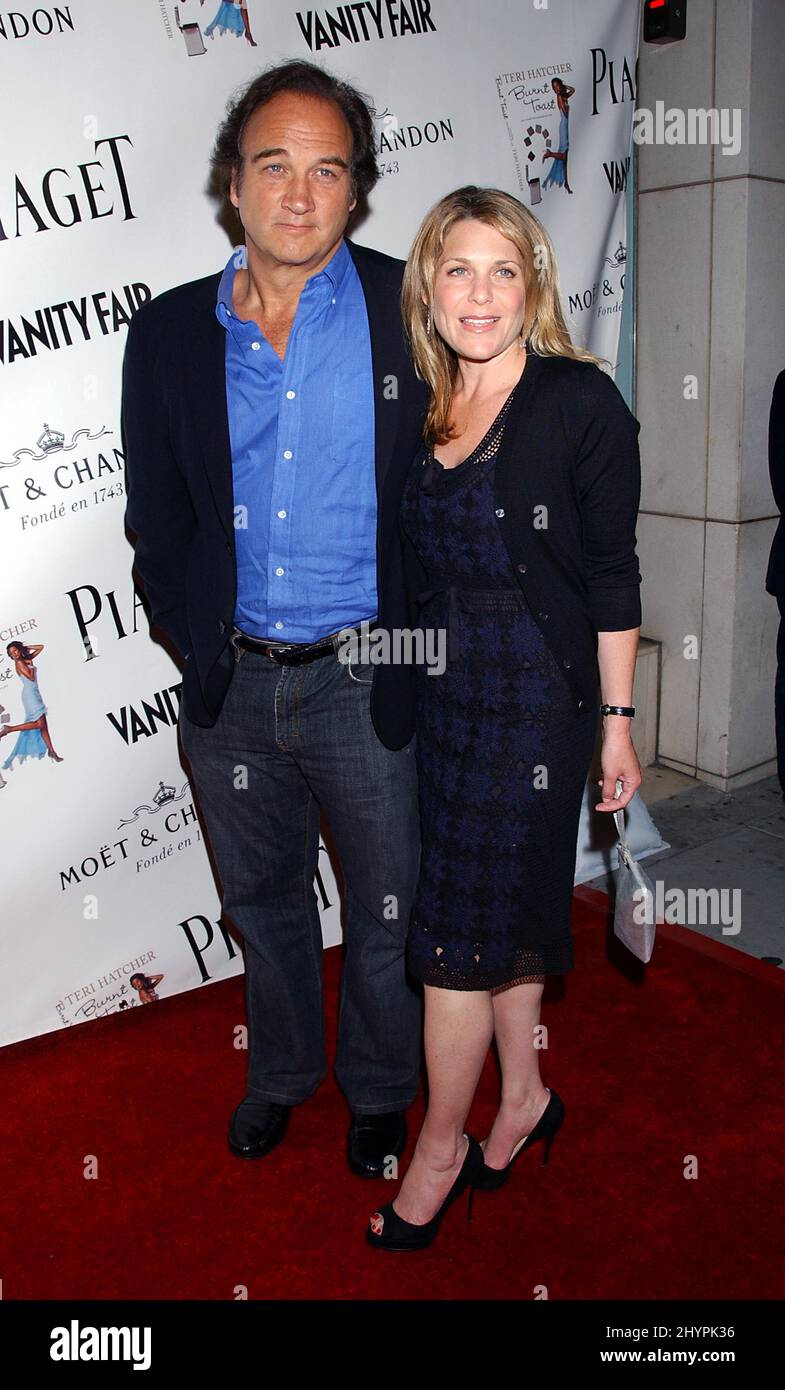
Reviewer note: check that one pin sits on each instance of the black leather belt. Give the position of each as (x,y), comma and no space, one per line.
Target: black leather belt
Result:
(295,653)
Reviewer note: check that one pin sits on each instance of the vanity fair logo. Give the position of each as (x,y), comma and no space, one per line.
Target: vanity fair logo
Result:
(616,172)
(71,321)
(365,20)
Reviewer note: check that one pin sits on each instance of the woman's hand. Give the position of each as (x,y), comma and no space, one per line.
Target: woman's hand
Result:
(619,760)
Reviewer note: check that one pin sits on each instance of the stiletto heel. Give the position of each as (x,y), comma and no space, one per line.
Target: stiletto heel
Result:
(550,1121)
(397,1234)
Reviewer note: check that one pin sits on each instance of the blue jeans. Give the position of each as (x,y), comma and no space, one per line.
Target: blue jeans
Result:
(289,740)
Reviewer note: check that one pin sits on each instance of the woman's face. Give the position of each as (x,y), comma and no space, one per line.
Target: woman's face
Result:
(479,296)
(14,650)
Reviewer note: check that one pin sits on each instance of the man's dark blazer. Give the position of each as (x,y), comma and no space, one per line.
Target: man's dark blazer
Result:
(775,574)
(179,480)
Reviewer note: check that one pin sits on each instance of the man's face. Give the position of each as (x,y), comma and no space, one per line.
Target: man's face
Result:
(295,196)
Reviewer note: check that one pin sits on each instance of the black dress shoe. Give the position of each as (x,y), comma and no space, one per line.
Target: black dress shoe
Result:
(257,1126)
(373,1139)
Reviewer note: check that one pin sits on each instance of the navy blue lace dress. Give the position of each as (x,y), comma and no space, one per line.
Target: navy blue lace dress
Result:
(502,754)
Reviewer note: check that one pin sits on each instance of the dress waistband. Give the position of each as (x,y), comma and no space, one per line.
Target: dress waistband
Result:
(453,585)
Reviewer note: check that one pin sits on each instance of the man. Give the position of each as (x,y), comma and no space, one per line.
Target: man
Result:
(775,573)
(270,414)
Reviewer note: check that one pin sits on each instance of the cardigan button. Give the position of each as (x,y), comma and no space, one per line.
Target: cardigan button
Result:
(500,511)
(566,661)
(542,615)
(522,569)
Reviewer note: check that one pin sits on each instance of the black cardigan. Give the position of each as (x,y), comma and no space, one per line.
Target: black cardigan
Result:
(775,573)
(568,485)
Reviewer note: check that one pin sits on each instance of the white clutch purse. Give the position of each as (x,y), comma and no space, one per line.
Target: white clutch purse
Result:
(633,916)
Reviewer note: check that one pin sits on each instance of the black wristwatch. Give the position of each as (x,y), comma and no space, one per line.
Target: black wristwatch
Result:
(618,709)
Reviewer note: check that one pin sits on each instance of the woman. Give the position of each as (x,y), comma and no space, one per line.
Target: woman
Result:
(530,452)
(145,987)
(34,739)
(558,172)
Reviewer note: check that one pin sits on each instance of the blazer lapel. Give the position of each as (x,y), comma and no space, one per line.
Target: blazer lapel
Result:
(382,303)
(208,404)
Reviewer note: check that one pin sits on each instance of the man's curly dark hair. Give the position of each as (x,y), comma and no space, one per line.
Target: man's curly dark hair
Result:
(297,76)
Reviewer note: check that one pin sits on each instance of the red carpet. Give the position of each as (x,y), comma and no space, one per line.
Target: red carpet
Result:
(689,1062)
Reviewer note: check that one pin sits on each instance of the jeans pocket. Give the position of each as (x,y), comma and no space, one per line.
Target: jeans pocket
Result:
(361,672)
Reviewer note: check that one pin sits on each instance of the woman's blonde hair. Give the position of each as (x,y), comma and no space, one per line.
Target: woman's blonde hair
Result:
(434,360)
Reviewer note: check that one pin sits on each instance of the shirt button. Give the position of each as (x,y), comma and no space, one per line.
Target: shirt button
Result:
(282,513)
(290,395)
(287,453)
(522,569)
(279,570)
(500,511)
(279,623)
(256,346)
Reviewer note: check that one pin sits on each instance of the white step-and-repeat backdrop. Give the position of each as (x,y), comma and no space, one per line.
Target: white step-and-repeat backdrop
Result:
(108,113)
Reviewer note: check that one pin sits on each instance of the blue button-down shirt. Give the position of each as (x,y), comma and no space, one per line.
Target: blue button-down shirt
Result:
(303,460)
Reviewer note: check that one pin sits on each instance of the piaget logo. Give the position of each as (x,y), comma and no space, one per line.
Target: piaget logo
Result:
(75,1343)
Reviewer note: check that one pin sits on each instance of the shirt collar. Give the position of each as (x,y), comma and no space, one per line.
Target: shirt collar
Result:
(223,304)
(337,267)
(331,276)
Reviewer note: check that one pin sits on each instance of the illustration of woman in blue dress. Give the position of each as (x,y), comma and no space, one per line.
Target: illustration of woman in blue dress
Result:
(558,174)
(34,739)
(231,18)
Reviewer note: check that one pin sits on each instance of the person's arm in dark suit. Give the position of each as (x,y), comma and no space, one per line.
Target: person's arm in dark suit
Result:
(158,508)
(777,443)
(608,471)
